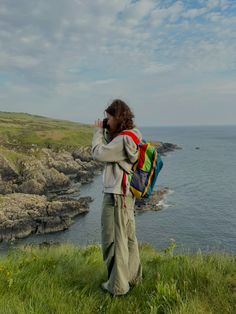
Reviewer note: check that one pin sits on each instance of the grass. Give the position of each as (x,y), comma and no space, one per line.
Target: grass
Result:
(23,130)
(23,135)
(11,155)
(66,279)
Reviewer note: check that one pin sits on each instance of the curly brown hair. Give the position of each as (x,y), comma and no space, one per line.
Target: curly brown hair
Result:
(122,113)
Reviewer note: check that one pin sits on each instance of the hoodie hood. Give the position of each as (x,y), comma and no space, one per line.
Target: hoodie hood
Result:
(137,133)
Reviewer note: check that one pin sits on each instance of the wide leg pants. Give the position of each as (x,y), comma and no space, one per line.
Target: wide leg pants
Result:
(119,243)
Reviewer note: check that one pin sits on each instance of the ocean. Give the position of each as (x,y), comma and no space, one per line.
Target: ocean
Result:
(199,211)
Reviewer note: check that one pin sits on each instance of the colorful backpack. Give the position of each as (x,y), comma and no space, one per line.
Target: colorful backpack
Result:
(142,178)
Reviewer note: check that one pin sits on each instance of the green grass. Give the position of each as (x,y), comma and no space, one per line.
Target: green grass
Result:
(11,155)
(15,157)
(66,279)
(23,130)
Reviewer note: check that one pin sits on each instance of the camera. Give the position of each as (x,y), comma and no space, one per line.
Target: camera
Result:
(105,125)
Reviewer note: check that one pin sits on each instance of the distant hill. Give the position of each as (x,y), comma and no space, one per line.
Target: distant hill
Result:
(24,130)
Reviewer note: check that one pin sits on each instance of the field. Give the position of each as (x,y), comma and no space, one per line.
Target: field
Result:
(65,278)
(22,131)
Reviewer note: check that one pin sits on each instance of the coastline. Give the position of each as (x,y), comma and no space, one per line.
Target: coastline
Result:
(37,190)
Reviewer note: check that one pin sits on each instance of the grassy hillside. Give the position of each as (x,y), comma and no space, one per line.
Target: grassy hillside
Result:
(66,279)
(22,130)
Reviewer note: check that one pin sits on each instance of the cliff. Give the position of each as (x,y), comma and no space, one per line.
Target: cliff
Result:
(41,160)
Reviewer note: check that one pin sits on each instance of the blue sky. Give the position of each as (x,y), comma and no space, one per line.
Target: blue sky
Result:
(173,62)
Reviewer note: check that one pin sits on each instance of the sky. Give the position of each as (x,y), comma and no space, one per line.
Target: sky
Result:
(173,62)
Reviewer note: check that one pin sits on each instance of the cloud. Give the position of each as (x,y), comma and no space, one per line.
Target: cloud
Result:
(228,88)
(171,13)
(213,3)
(17,61)
(62,53)
(152,68)
(193,13)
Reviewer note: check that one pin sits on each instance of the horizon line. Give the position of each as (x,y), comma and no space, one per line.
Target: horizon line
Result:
(141,126)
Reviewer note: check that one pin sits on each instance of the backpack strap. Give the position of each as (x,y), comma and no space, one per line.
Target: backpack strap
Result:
(132,135)
(137,141)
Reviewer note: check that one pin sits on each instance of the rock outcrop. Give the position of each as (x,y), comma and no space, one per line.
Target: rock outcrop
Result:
(154,202)
(30,184)
(164,148)
(24,214)
(48,172)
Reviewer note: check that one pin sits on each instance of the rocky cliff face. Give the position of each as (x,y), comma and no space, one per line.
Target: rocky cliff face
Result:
(29,187)
(23,214)
(31,182)
(52,171)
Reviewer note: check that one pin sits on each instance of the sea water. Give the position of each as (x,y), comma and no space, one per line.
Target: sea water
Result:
(199,211)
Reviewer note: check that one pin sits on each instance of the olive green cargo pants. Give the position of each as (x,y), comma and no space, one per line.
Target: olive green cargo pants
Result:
(119,243)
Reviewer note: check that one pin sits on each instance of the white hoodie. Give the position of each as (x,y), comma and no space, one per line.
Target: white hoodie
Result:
(118,154)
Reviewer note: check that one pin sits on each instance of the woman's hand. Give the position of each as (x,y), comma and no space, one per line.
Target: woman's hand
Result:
(98,123)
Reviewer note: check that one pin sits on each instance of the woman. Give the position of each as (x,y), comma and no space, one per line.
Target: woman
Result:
(119,242)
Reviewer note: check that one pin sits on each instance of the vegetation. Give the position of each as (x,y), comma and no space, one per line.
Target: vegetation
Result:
(23,130)
(64,278)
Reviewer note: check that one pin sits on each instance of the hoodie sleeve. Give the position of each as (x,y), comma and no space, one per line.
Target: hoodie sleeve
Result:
(111,152)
